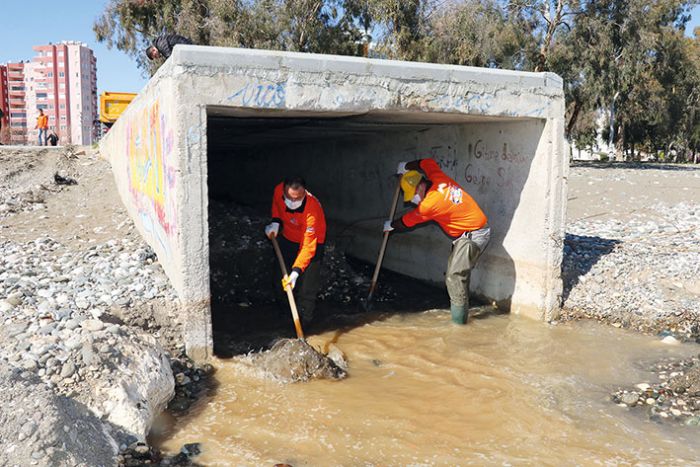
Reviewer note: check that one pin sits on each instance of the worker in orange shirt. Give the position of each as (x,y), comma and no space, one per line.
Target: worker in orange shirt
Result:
(298,215)
(42,123)
(439,198)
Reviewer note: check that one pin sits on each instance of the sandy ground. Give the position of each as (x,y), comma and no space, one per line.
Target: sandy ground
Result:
(86,213)
(618,191)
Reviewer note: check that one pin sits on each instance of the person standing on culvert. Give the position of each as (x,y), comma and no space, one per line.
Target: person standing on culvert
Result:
(163,46)
(42,123)
(439,198)
(298,216)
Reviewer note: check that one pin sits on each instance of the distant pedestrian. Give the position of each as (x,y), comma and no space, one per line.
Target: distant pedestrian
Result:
(52,138)
(42,123)
(163,46)
(2,115)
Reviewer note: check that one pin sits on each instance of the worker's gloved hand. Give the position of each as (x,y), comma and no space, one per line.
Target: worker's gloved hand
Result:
(272,228)
(290,280)
(387,226)
(401,169)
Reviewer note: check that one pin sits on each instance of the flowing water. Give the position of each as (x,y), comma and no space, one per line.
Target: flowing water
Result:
(502,390)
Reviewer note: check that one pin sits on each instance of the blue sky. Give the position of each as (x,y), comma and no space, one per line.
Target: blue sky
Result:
(45,21)
(23,25)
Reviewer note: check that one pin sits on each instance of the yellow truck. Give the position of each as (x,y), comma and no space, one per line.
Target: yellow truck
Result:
(112,104)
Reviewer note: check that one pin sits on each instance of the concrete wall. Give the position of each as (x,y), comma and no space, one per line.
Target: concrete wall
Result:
(499,133)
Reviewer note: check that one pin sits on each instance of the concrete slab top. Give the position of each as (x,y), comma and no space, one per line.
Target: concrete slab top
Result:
(226,57)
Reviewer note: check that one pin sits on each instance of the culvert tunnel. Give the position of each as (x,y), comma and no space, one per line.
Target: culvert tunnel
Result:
(219,127)
(348,161)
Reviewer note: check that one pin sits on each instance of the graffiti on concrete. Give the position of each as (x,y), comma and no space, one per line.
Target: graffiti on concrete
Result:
(482,151)
(151,172)
(257,94)
(469,103)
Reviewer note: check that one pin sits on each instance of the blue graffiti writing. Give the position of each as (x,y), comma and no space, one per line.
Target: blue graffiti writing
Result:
(269,96)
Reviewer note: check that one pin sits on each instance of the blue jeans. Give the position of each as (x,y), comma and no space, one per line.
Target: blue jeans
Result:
(42,141)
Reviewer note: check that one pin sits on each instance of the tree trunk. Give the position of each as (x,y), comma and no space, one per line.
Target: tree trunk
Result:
(574,116)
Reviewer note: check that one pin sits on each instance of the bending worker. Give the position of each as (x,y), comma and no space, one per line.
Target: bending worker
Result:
(439,198)
(299,216)
(163,46)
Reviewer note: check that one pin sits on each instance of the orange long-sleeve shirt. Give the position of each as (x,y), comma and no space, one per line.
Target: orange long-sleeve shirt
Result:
(446,203)
(305,225)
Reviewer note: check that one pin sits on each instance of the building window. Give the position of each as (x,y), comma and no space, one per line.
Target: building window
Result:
(63,127)
(50,106)
(41,95)
(61,74)
(61,106)
(49,74)
(18,114)
(41,106)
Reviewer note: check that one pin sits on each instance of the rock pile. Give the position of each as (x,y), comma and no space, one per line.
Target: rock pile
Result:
(56,325)
(676,397)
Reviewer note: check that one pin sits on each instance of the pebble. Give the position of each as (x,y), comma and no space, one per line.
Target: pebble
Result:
(630,398)
(67,370)
(92,325)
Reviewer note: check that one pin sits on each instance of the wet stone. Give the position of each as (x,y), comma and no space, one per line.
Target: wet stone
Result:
(630,398)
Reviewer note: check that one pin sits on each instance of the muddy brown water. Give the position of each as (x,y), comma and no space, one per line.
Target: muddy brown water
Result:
(502,390)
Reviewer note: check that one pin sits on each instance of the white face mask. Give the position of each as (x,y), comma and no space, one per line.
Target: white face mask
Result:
(293,204)
(416,199)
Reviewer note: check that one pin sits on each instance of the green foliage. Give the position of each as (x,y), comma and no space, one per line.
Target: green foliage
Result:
(625,63)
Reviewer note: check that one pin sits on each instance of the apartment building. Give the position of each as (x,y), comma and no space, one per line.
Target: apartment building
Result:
(61,80)
(4,106)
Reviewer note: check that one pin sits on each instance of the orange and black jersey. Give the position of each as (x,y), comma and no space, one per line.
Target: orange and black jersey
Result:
(305,225)
(445,202)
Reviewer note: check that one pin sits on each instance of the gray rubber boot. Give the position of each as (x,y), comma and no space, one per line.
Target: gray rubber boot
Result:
(459,314)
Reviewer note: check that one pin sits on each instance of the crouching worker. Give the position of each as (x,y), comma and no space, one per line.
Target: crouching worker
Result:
(439,198)
(298,216)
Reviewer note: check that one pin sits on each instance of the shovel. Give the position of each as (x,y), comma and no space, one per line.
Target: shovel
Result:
(367,304)
(288,289)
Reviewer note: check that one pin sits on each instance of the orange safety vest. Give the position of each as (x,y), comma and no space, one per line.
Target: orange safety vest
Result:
(445,203)
(305,225)
(42,121)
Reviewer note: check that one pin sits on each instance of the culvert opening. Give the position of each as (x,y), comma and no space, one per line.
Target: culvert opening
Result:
(348,162)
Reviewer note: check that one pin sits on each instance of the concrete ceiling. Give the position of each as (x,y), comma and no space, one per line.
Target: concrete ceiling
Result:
(231,128)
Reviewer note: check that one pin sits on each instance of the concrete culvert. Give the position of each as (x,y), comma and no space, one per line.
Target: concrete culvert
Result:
(220,125)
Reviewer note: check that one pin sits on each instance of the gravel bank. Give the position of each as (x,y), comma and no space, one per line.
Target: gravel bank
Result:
(632,259)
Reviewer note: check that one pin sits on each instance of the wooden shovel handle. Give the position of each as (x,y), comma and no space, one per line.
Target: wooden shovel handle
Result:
(394,204)
(288,289)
